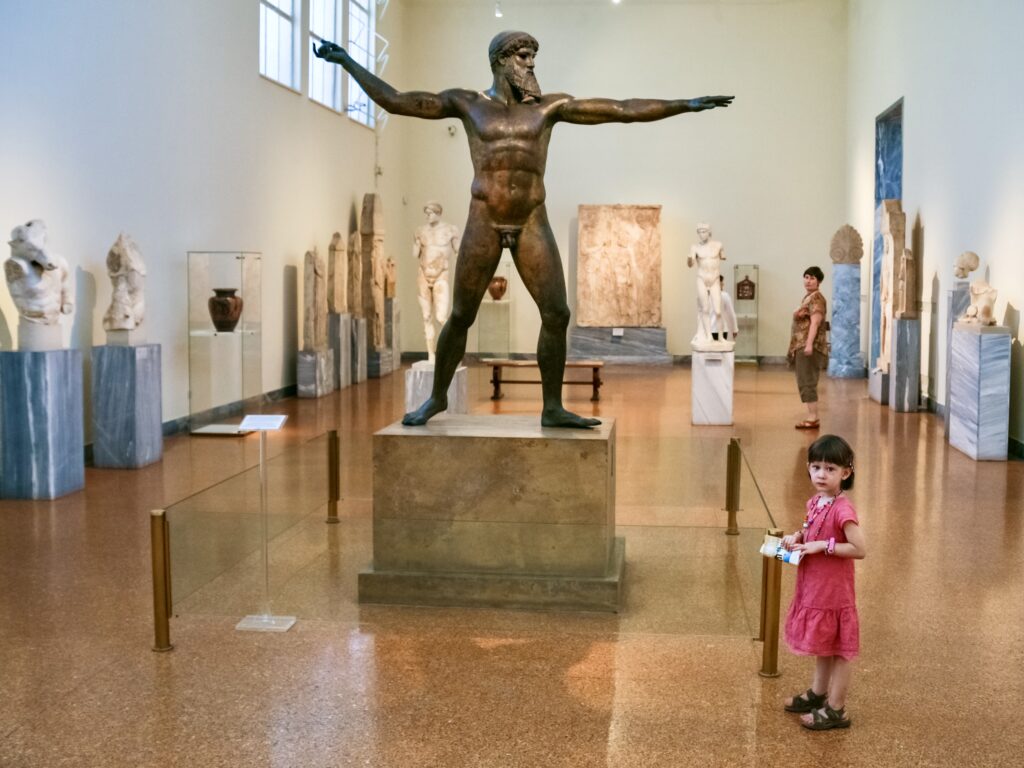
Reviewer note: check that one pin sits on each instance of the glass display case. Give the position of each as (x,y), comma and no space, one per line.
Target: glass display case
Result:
(493,321)
(225,338)
(745,289)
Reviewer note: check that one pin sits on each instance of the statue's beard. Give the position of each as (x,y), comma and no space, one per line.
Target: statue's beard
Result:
(525,84)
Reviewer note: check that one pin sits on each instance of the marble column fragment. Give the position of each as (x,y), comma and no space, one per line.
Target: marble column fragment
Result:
(979,394)
(957,302)
(126,406)
(905,365)
(42,440)
(846,360)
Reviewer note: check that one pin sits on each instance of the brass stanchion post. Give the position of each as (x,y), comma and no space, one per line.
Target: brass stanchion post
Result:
(333,475)
(770,598)
(732,485)
(161,580)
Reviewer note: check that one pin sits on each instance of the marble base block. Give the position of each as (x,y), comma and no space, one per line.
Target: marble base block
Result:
(878,386)
(979,391)
(494,511)
(389,323)
(135,337)
(905,369)
(358,349)
(641,346)
(396,335)
(36,337)
(380,363)
(42,436)
(127,429)
(316,373)
(339,339)
(419,383)
(957,302)
(493,328)
(845,360)
(711,387)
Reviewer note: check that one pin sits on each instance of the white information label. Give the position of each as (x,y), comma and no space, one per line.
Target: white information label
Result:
(618,332)
(262,422)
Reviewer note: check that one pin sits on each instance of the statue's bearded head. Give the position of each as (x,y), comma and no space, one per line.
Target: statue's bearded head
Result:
(512,53)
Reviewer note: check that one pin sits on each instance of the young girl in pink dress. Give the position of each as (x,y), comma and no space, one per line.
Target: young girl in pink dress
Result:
(822,619)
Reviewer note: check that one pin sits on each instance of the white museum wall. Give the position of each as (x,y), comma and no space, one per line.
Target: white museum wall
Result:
(768,172)
(957,66)
(152,118)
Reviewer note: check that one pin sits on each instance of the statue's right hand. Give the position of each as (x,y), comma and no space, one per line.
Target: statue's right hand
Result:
(326,49)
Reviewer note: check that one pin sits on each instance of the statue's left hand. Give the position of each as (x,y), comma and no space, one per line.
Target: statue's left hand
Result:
(710,102)
(326,49)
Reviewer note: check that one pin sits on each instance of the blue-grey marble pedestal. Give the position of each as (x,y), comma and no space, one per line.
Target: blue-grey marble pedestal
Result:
(42,437)
(905,368)
(641,346)
(126,406)
(358,349)
(878,386)
(315,374)
(339,339)
(957,302)
(845,360)
(979,391)
(379,363)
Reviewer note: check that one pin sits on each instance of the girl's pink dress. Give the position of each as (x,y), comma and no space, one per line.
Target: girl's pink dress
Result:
(822,619)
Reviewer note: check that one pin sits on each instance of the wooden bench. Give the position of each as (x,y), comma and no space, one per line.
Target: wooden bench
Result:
(497,364)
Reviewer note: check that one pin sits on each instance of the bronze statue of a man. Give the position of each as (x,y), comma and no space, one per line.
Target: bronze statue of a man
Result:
(509,128)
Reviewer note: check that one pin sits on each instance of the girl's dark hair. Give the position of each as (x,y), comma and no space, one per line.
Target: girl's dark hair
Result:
(815,272)
(833,450)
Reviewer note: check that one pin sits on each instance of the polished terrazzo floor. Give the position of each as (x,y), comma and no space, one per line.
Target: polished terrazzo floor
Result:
(671,681)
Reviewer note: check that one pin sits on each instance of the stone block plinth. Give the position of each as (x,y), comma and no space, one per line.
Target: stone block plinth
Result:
(979,391)
(419,383)
(711,387)
(339,339)
(878,386)
(42,451)
(126,406)
(905,369)
(316,373)
(358,349)
(629,346)
(496,511)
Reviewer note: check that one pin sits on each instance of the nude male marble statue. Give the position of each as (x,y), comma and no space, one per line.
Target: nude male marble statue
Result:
(435,244)
(707,255)
(509,128)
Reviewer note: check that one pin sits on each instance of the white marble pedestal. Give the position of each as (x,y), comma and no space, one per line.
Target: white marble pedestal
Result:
(878,386)
(419,382)
(711,387)
(979,391)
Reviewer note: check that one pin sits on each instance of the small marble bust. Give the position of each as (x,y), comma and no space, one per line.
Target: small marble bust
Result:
(39,284)
(983,303)
(128,277)
(965,263)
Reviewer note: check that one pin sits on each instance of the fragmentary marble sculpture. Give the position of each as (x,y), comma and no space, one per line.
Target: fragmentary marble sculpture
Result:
(379,294)
(619,268)
(707,255)
(337,275)
(369,288)
(847,246)
(435,246)
(128,277)
(893,229)
(314,316)
(390,278)
(355,274)
(965,263)
(983,303)
(38,282)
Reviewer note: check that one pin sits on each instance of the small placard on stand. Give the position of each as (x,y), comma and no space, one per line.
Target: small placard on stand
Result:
(265,621)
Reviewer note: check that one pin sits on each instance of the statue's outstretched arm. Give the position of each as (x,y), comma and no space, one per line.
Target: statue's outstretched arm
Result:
(594,111)
(432,106)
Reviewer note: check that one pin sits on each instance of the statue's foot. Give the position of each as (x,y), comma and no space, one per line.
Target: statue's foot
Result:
(559,417)
(422,415)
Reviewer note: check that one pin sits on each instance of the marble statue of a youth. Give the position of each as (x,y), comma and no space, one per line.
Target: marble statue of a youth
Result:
(509,128)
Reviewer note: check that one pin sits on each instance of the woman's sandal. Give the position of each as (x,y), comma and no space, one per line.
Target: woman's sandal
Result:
(827,718)
(809,424)
(807,701)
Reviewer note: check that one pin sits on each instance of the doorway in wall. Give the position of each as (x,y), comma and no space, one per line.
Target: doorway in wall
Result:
(888,186)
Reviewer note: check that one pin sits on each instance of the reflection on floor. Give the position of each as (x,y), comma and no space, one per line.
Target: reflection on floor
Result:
(671,681)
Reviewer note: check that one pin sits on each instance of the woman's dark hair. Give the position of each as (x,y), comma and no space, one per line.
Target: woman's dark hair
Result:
(815,272)
(833,450)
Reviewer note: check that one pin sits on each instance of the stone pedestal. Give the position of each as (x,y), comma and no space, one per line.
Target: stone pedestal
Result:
(339,338)
(37,337)
(979,391)
(640,346)
(493,328)
(42,441)
(419,382)
(494,511)
(126,406)
(711,387)
(878,386)
(905,369)
(957,302)
(845,360)
(394,337)
(380,363)
(135,337)
(358,349)
(316,372)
